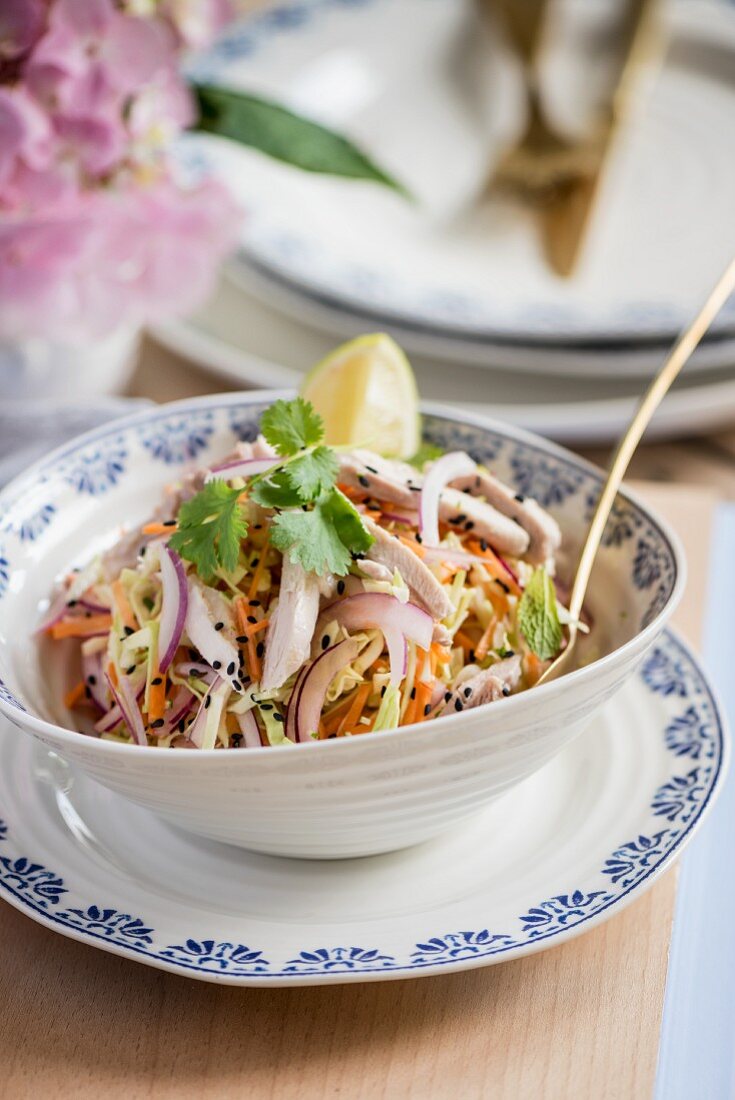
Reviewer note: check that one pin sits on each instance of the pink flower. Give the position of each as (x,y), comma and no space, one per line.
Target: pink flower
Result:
(21,23)
(25,133)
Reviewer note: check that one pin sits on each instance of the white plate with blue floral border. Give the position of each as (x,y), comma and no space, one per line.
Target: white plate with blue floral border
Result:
(561,853)
(435,101)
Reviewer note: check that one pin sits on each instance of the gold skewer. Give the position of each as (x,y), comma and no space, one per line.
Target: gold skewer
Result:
(630,439)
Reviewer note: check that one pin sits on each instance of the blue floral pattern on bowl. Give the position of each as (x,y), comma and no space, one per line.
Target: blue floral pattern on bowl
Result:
(676,806)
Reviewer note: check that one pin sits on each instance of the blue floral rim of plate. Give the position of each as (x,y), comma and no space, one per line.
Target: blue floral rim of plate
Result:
(108,460)
(305,265)
(694,739)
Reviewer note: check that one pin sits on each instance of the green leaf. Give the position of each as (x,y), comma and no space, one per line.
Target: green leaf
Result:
(313,473)
(211,527)
(290,426)
(274,490)
(283,135)
(427,452)
(323,539)
(538,617)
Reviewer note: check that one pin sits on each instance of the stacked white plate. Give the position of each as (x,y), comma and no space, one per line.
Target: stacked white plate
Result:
(456,276)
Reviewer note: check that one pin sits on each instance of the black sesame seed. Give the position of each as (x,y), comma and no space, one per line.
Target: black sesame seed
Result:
(364,481)
(458,704)
(217,665)
(340,588)
(241,638)
(277,717)
(252,619)
(467,692)
(219,626)
(92,680)
(72,603)
(503,585)
(483,544)
(413,692)
(255,563)
(231,668)
(325,641)
(257,527)
(506,690)
(371,469)
(129,630)
(236,740)
(415,488)
(331,736)
(181,726)
(358,556)
(156,681)
(131,670)
(260,649)
(193,671)
(382,690)
(207,701)
(253,603)
(304,508)
(427,709)
(459,518)
(87,692)
(447,696)
(169,523)
(237,685)
(471,655)
(157,724)
(266,706)
(469,525)
(519,497)
(418,538)
(193,655)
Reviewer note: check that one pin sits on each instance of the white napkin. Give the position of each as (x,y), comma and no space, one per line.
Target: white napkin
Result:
(30,429)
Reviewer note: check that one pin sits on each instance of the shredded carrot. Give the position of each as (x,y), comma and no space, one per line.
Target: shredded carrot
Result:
(157,698)
(81,628)
(123,605)
(497,599)
(494,566)
(350,719)
(483,646)
(258,573)
(73,696)
(112,673)
(442,656)
(255,667)
(411,544)
(231,724)
(409,714)
(533,667)
(332,719)
(160,528)
(254,628)
(351,491)
(423,696)
(465,641)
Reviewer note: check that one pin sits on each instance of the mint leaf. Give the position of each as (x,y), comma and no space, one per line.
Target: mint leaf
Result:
(211,527)
(291,426)
(538,618)
(283,135)
(313,473)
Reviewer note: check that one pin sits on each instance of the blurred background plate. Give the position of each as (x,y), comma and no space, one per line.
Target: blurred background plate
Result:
(251,344)
(425,89)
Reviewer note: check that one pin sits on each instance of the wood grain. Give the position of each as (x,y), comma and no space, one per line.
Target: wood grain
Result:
(581,1020)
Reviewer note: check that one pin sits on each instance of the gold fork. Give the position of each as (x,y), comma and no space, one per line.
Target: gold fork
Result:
(630,439)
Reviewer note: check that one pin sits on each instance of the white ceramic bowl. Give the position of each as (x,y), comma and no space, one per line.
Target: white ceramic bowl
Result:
(334,798)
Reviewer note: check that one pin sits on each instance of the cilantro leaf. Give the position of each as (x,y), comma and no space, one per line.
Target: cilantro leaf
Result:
(291,426)
(211,526)
(323,539)
(313,473)
(538,617)
(274,490)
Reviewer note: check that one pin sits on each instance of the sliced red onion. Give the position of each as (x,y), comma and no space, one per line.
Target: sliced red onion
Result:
(381,611)
(92,675)
(216,650)
(198,669)
(456,556)
(249,729)
(507,568)
(307,698)
(124,696)
(109,720)
(212,702)
(183,702)
(90,605)
(58,608)
(410,521)
(244,468)
(450,466)
(174,606)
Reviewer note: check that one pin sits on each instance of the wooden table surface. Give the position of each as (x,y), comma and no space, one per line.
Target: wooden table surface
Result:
(578,1021)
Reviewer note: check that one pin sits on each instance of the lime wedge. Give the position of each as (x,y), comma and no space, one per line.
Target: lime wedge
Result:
(365,391)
